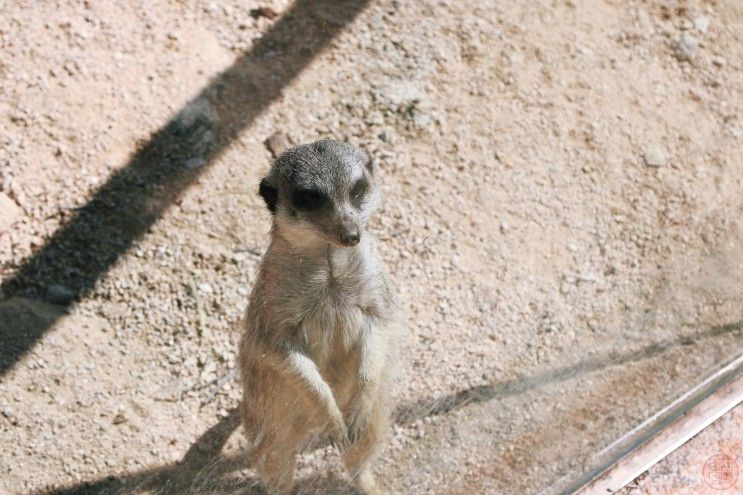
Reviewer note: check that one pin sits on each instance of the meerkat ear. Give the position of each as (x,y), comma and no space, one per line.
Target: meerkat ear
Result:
(269,193)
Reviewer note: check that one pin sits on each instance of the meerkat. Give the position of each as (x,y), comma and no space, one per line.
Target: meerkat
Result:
(320,335)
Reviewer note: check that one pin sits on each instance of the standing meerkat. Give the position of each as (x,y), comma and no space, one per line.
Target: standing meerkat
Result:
(320,332)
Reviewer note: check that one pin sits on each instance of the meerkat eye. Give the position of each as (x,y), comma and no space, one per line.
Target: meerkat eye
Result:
(308,199)
(358,190)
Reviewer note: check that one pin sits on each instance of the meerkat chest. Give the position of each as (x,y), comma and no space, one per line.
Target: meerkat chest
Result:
(335,316)
(333,328)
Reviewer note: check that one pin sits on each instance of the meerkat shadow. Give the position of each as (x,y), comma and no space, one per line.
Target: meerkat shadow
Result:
(329,484)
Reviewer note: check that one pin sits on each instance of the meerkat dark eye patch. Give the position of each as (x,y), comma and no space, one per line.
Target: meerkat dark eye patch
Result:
(269,195)
(308,199)
(358,190)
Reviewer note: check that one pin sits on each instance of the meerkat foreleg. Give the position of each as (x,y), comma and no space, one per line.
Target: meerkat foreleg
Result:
(321,394)
(372,354)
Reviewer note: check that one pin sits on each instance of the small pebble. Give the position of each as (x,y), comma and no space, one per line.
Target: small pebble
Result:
(701,24)
(59,294)
(10,212)
(686,46)
(194,162)
(205,288)
(277,143)
(654,157)
(266,12)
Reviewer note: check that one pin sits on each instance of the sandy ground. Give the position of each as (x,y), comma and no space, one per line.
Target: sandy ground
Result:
(563,198)
(694,467)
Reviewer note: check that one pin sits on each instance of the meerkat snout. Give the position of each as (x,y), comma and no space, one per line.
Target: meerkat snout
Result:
(350,237)
(321,193)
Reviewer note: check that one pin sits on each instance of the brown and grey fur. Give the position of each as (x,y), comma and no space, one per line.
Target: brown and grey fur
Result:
(320,333)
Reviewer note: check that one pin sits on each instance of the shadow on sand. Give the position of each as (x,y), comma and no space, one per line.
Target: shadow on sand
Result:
(86,246)
(205,470)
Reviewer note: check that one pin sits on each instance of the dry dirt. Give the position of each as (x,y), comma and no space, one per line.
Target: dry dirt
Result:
(562,222)
(683,472)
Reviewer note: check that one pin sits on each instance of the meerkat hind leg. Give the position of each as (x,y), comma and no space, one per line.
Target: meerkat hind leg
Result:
(274,457)
(276,464)
(357,459)
(365,482)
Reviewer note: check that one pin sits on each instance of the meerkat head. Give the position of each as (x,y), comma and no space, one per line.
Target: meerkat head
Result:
(322,192)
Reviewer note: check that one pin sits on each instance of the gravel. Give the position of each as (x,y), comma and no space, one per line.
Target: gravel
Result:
(524,241)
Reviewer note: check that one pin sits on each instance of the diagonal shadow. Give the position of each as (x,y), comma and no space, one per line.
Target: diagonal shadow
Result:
(487,392)
(205,470)
(85,248)
(189,475)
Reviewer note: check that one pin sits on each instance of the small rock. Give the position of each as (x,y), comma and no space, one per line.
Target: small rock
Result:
(266,12)
(589,277)
(686,46)
(9,213)
(654,157)
(277,143)
(59,294)
(666,28)
(701,24)
(194,163)
(399,96)
(205,288)
(36,241)
(7,412)
(420,432)
(199,111)
(119,419)
(719,61)
(421,119)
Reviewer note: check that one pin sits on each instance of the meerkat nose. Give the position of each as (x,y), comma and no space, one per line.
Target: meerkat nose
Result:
(350,237)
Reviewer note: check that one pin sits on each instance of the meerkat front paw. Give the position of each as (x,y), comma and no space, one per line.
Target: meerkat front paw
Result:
(338,432)
(358,420)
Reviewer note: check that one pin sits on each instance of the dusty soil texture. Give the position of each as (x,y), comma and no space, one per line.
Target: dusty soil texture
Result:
(719,447)
(562,224)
